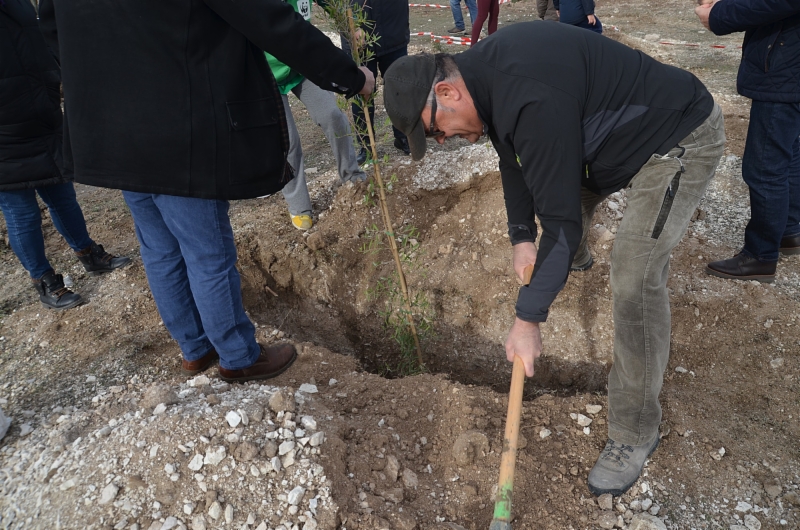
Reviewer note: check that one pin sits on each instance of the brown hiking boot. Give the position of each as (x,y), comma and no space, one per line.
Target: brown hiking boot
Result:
(273,361)
(199,365)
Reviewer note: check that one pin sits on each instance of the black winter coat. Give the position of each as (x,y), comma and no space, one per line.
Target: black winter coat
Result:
(30,102)
(391,24)
(175,97)
(770,68)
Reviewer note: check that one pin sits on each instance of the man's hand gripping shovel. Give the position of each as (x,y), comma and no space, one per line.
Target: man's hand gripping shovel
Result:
(502,506)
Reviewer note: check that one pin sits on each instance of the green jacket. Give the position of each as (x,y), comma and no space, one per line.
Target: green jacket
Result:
(286,77)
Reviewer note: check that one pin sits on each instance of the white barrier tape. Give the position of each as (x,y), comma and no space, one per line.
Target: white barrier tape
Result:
(442,38)
(440,6)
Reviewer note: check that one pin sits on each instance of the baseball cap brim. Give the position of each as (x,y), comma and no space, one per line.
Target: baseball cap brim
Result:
(407,84)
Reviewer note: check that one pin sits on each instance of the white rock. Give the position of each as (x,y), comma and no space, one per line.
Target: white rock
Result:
(215,510)
(332,382)
(646,504)
(643,521)
(196,463)
(102,433)
(91,379)
(285,447)
(593,409)
(24,430)
(233,418)
(109,493)
(288,459)
(160,409)
(67,484)
(584,421)
(544,433)
(311,524)
(752,522)
(742,506)
(243,415)
(317,438)
(215,455)
(169,523)
(262,526)
(296,495)
(409,479)
(198,522)
(776,363)
(308,388)
(308,422)
(200,380)
(276,464)
(229,513)
(681,369)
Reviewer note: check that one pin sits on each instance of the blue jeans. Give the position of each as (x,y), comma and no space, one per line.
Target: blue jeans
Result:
(597,28)
(455,7)
(189,256)
(771,168)
(24,222)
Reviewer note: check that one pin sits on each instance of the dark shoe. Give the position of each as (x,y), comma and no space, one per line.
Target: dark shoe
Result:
(790,245)
(273,361)
(618,467)
(54,294)
(743,267)
(97,261)
(455,31)
(361,157)
(402,144)
(200,365)
(585,265)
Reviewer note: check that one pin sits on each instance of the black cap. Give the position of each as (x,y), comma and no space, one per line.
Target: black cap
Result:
(406,87)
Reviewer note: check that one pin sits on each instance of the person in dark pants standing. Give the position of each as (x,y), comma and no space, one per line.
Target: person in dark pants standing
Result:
(390,19)
(578,13)
(769,74)
(486,8)
(31,158)
(174,103)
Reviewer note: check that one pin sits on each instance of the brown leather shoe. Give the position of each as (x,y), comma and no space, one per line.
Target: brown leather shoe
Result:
(200,365)
(743,267)
(273,361)
(790,245)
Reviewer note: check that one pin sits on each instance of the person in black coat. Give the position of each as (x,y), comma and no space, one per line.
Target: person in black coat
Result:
(174,103)
(30,158)
(768,74)
(390,24)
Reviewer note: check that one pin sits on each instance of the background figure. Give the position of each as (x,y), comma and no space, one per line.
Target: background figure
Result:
(182,133)
(546,10)
(578,13)
(390,19)
(31,161)
(768,74)
(490,8)
(458,17)
(322,108)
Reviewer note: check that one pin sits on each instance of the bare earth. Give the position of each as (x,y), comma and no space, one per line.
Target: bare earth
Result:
(106,432)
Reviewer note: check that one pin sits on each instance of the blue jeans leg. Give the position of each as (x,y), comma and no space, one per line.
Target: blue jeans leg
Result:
(190,259)
(771,169)
(24,223)
(66,214)
(472,7)
(458,18)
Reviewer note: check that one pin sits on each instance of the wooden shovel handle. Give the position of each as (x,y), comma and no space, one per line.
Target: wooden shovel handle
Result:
(502,507)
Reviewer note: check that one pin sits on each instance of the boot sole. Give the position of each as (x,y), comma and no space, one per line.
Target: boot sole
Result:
(621,490)
(260,376)
(583,267)
(763,278)
(790,251)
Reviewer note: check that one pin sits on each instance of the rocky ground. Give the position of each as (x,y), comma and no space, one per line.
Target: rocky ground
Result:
(105,433)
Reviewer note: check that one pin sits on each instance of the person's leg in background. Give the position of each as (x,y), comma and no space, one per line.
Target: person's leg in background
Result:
(458,18)
(771,169)
(322,108)
(385,61)
(494,15)
(70,223)
(24,224)
(472,7)
(484,6)
(296,190)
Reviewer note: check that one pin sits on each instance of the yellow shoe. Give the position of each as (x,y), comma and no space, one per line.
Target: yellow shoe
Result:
(302,222)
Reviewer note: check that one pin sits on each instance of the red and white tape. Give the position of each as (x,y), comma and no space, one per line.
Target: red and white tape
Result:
(440,6)
(446,39)
(695,45)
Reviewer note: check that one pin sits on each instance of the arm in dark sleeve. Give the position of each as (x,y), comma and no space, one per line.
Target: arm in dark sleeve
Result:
(551,157)
(275,27)
(519,203)
(730,16)
(47,25)
(588,7)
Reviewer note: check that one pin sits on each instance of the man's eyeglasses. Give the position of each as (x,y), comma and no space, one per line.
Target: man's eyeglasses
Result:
(432,132)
